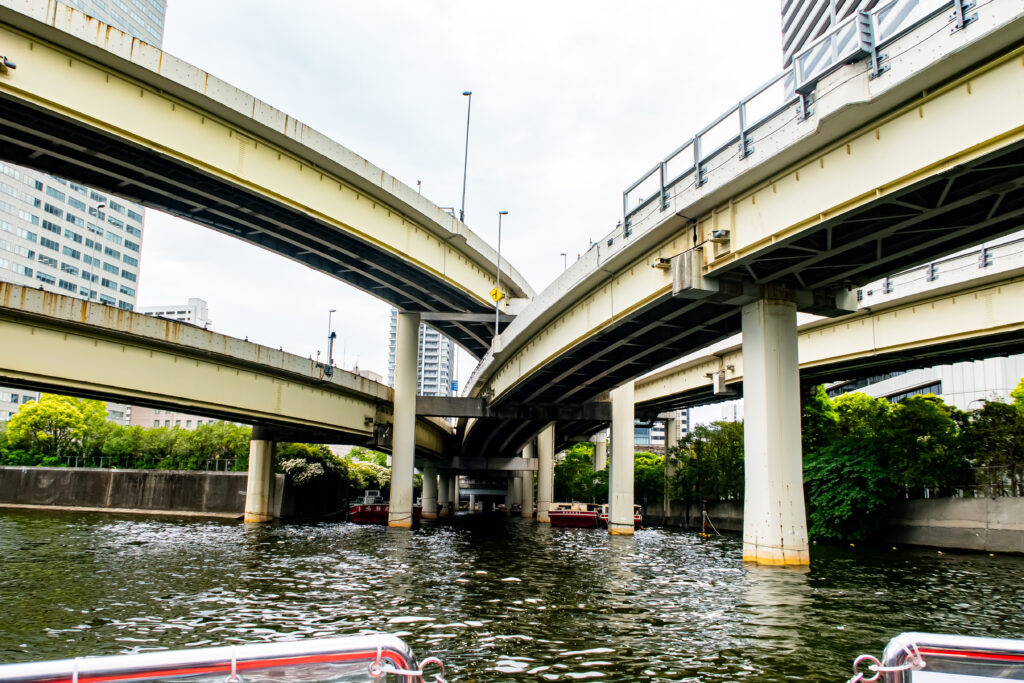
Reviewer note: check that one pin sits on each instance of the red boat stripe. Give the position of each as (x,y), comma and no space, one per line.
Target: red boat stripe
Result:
(972,655)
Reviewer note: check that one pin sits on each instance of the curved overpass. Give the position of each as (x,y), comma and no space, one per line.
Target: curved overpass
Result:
(90,103)
(979,320)
(881,174)
(57,343)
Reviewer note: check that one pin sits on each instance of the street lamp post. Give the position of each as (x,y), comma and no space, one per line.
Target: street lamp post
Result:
(565,260)
(497,275)
(330,338)
(465,157)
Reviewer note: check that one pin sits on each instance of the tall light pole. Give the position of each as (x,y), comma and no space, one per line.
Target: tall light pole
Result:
(565,261)
(497,275)
(465,157)
(330,338)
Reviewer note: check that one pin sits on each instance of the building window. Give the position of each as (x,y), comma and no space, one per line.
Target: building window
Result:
(156,423)
(52,227)
(73,253)
(43,277)
(128,244)
(124,305)
(167,423)
(126,290)
(128,275)
(50,208)
(64,284)
(48,243)
(130,261)
(47,261)
(111,268)
(109,284)
(74,236)
(112,252)
(55,193)
(109,300)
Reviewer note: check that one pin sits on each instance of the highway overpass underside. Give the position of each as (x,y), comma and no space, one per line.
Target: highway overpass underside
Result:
(68,148)
(958,208)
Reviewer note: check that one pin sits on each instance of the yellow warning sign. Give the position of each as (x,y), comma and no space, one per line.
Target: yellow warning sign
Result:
(497,295)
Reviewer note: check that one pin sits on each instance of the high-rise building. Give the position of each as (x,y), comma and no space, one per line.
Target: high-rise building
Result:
(436,360)
(64,237)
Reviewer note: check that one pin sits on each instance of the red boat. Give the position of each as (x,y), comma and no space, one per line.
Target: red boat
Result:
(603,517)
(577,515)
(372,508)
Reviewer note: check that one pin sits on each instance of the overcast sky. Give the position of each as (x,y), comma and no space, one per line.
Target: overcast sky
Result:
(572,101)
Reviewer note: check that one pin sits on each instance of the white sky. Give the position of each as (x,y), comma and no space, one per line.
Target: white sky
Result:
(572,101)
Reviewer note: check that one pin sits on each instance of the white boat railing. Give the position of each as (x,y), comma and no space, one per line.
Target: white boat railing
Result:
(321,660)
(935,658)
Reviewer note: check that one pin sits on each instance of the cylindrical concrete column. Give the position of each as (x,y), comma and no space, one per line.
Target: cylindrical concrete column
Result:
(510,490)
(429,491)
(671,442)
(774,518)
(600,451)
(620,473)
(442,493)
(472,502)
(528,484)
(259,487)
(456,494)
(517,490)
(545,472)
(403,441)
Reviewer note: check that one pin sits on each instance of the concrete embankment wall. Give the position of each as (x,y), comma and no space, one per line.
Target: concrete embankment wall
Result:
(989,524)
(985,524)
(215,494)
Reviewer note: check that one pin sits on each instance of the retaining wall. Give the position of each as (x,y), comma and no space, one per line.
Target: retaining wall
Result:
(985,524)
(219,494)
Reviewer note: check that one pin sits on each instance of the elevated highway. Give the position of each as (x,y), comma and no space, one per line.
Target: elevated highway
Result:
(980,319)
(62,344)
(90,103)
(859,177)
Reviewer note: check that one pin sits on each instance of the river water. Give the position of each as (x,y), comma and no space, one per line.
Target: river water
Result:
(497,599)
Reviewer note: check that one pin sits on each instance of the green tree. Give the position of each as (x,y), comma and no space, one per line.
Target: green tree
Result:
(861,415)
(52,426)
(923,431)
(994,441)
(820,422)
(574,474)
(849,487)
(648,477)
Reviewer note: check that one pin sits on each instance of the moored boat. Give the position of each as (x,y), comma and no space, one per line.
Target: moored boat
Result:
(602,518)
(576,515)
(373,508)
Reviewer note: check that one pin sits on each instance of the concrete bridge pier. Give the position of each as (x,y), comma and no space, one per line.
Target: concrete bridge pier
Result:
(620,473)
(403,443)
(442,494)
(510,492)
(545,472)
(774,518)
(259,487)
(517,490)
(429,491)
(671,441)
(527,502)
(454,494)
(600,451)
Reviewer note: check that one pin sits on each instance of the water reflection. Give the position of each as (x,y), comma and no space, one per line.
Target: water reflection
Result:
(496,598)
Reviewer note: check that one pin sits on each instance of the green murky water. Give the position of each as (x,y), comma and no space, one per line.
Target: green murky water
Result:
(497,599)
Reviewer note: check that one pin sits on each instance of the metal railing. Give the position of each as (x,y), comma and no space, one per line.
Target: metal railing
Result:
(735,131)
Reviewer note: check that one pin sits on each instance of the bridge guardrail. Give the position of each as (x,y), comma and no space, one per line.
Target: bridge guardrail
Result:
(864,33)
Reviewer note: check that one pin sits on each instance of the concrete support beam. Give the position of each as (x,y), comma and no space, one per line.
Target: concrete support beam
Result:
(429,491)
(545,472)
(467,464)
(404,438)
(528,483)
(443,492)
(472,502)
(462,406)
(517,490)
(455,495)
(600,451)
(620,474)
(774,519)
(259,488)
